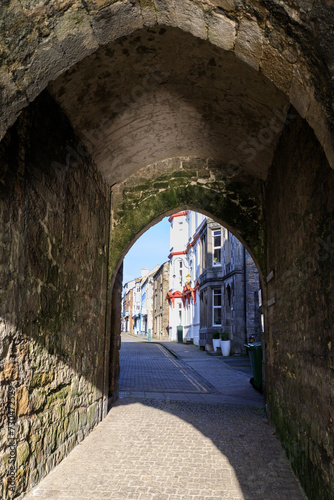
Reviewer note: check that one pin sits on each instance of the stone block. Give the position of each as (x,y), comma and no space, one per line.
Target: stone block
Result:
(37,400)
(191,17)
(22,454)
(165,10)
(276,69)
(148,12)
(75,36)
(318,120)
(46,64)
(117,20)
(22,401)
(96,5)
(227,5)
(41,379)
(221,31)
(249,43)
(12,100)
(301,93)
(8,371)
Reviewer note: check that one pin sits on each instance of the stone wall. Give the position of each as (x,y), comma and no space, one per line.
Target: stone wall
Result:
(160,304)
(201,184)
(115,336)
(291,43)
(54,229)
(299,343)
(252,312)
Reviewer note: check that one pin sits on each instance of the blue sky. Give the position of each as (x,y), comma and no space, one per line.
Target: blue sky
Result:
(150,249)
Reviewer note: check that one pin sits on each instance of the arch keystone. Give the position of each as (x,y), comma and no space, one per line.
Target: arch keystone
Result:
(191,17)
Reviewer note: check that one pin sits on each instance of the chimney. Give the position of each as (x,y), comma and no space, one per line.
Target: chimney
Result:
(144,272)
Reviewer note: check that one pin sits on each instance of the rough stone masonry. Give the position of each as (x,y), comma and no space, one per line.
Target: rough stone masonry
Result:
(116,113)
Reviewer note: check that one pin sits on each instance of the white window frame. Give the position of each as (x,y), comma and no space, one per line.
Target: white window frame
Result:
(216,291)
(181,272)
(218,247)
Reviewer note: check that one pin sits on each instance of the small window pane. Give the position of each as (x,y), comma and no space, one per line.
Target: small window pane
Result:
(217,316)
(217,241)
(217,255)
(217,299)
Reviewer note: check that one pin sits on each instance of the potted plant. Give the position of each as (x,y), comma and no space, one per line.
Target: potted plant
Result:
(215,340)
(225,343)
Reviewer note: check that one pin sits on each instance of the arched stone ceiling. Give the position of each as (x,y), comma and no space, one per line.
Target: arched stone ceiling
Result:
(161,93)
(290,42)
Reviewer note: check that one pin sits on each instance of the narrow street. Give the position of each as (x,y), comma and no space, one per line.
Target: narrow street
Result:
(186,426)
(174,371)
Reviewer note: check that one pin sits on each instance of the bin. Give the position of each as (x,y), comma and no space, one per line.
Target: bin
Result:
(255,354)
(180,334)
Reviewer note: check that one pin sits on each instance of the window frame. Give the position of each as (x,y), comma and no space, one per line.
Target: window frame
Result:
(216,247)
(214,307)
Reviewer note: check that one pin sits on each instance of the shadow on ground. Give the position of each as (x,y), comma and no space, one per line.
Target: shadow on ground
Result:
(244,436)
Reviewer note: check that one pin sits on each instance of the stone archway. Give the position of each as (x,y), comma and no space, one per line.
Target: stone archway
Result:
(230,196)
(275,39)
(218,80)
(227,195)
(283,217)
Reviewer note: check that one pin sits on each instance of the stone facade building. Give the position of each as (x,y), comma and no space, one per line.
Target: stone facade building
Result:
(229,286)
(160,304)
(214,283)
(127,306)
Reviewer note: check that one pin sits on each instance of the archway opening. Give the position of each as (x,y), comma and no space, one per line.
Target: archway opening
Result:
(208,288)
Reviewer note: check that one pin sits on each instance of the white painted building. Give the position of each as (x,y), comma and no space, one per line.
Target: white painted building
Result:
(183,295)
(146,311)
(137,303)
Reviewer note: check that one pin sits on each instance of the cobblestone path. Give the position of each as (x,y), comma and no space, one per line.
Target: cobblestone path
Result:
(164,449)
(151,367)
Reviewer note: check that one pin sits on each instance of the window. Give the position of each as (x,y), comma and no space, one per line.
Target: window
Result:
(217,307)
(217,248)
(180,313)
(228,248)
(191,269)
(203,252)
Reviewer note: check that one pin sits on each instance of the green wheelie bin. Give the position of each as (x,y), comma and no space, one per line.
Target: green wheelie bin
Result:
(255,354)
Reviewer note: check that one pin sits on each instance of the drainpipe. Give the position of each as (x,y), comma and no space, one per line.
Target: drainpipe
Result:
(245,296)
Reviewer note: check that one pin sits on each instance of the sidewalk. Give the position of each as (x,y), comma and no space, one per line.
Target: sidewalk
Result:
(228,384)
